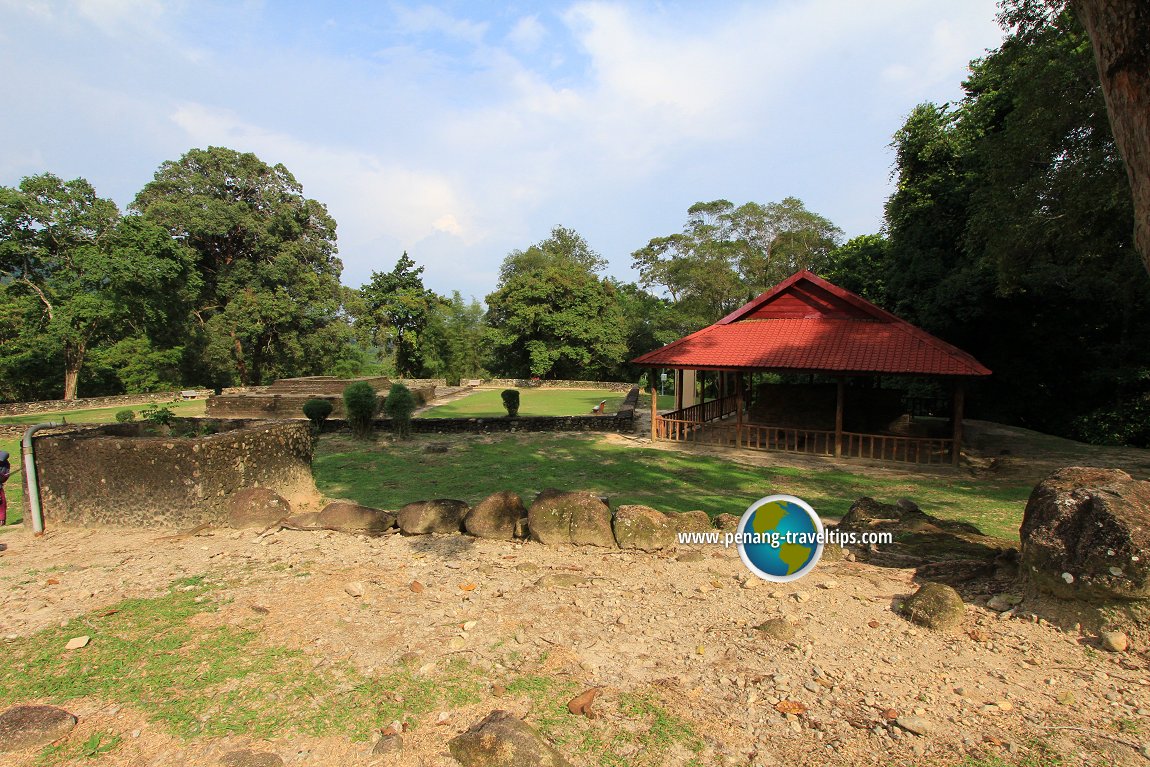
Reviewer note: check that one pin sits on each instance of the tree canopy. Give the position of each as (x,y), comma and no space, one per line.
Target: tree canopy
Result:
(270,297)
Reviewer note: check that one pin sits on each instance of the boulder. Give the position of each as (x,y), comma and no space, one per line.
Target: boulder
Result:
(692,522)
(1086,535)
(497,516)
(352,518)
(579,518)
(918,535)
(256,507)
(643,528)
(728,523)
(442,515)
(24,727)
(503,740)
(935,606)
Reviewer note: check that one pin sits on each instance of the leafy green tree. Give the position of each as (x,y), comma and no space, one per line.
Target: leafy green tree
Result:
(398,307)
(76,274)
(551,316)
(860,266)
(453,341)
(726,255)
(270,301)
(1010,234)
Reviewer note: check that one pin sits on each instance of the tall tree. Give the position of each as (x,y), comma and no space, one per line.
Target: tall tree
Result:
(454,344)
(398,309)
(77,274)
(270,299)
(1010,235)
(727,254)
(551,316)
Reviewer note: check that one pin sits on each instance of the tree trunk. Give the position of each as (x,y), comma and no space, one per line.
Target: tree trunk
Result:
(73,360)
(241,363)
(1120,33)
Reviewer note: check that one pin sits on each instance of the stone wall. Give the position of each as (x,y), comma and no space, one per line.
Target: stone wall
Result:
(525,383)
(115,475)
(126,400)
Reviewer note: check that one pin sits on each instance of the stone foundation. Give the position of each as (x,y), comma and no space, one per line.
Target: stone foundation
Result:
(118,475)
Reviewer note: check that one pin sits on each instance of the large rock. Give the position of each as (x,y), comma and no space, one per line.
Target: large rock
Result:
(1086,535)
(29,726)
(579,518)
(502,740)
(935,606)
(352,518)
(644,528)
(443,515)
(497,516)
(692,522)
(256,507)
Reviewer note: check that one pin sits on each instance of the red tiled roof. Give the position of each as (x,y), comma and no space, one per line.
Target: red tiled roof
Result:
(806,324)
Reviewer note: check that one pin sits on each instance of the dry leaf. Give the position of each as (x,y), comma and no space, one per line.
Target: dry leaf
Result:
(581,703)
(467,586)
(53,581)
(417,587)
(873,624)
(790,707)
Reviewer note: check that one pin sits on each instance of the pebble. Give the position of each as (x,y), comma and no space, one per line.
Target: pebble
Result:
(1114,641)
(915,724)
(801,596)
(354,589)
(76,643)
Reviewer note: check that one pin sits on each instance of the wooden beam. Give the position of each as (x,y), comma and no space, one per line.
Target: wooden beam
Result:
(654,409)
(841,392)
(959,401)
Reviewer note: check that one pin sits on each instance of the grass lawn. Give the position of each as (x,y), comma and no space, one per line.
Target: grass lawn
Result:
(487,402)
(389,474)
(14,487)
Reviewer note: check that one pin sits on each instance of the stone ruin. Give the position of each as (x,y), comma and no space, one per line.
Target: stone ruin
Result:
(285,398)
(139,475)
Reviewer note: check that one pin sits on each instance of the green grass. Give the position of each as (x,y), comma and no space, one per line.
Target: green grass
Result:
(217,681)
(391,474)
(182,409)
(487,403)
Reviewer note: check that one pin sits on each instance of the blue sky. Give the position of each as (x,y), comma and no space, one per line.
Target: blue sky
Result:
(459,131)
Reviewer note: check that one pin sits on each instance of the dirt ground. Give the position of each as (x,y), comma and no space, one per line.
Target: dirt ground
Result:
(681,624)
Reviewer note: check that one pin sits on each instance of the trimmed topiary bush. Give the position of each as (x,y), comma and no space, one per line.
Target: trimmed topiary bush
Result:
(362,405)
(317,410)
(125,416)
(511,401)
(399,406)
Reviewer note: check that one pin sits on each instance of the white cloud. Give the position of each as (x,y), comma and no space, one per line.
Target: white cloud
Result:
(427,18)
(527,34)
(370,197)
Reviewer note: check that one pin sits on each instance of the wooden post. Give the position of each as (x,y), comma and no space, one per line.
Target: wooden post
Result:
(678,389)
(959,397)
(738,410)
(841,391)
(654,410)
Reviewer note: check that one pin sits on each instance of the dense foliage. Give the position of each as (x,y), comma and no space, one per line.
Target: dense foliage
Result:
(361,405)
(399,406)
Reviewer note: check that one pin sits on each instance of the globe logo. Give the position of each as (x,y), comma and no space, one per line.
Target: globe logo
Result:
(780,538)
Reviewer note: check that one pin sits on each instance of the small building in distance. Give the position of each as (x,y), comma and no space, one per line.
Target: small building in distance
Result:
(806,368)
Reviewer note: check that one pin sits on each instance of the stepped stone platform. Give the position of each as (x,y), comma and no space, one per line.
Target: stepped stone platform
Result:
(285,397)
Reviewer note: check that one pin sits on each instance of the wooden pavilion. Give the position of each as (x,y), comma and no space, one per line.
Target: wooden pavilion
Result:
(823,333)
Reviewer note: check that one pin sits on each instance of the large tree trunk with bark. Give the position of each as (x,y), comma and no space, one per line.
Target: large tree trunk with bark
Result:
(73,361)
(1120,33)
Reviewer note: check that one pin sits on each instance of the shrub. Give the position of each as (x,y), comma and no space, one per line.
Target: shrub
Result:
(317,410)
(361,404)
(511,401)
(399,406)
(158,415)
(124,416)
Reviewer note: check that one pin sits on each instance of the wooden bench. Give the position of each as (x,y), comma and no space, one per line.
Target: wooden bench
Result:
(598,409)
(189,394)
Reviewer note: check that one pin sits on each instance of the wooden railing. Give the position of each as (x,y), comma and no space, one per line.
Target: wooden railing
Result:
(884,447)
(705,411)
(881,447)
